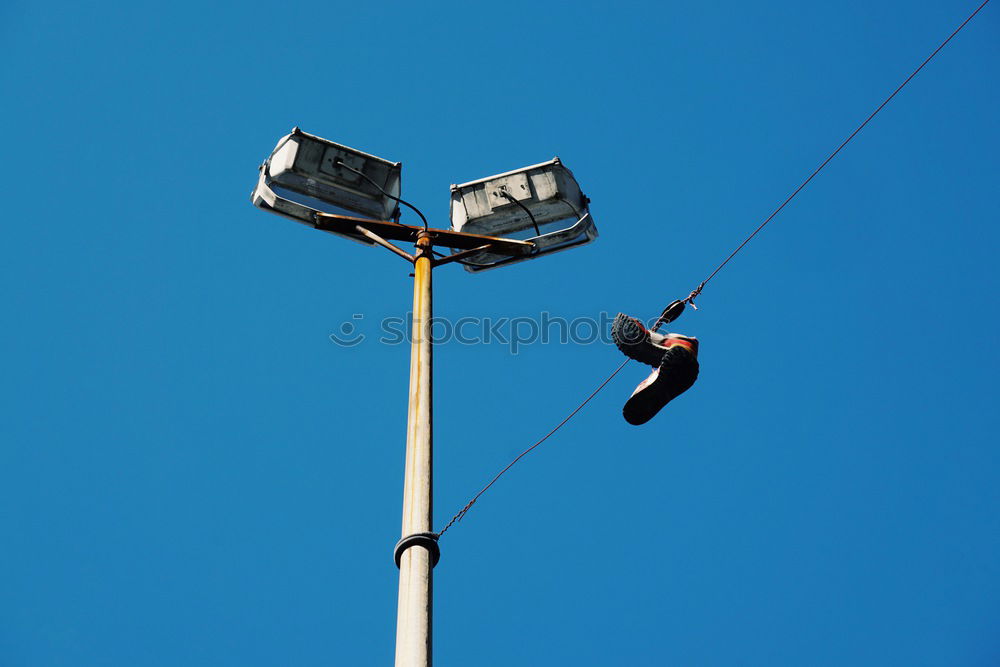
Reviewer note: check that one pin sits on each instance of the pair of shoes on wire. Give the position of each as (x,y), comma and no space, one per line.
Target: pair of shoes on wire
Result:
(674,359)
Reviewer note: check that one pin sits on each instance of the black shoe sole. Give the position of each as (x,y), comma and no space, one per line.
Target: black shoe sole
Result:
(677,373)
(633,340)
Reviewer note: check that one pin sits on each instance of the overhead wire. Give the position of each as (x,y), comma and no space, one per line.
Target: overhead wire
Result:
(461,513)
(697,290)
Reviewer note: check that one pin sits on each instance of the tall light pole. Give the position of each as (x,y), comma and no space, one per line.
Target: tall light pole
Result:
(417,551)
(416,564)
(317,182)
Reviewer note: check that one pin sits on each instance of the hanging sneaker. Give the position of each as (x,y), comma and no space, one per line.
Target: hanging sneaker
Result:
(676,373)
(639,343)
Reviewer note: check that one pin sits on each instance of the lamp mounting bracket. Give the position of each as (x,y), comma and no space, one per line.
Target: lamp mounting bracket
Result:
(381,232)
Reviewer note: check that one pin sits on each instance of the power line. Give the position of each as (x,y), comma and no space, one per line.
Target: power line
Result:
(696,291)
(468,506)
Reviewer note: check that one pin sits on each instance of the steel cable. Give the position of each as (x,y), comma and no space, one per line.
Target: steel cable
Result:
(697,291)
(468,506)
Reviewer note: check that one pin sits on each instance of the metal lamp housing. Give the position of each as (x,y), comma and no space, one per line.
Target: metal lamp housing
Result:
(547,190)
(306,174)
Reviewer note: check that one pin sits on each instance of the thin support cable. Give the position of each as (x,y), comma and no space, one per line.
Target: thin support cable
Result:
(461,513)
(696,291)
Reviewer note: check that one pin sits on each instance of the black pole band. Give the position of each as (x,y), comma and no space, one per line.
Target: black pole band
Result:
(427,540)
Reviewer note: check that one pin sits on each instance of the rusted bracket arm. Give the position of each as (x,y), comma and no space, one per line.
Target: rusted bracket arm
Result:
(384,229)
(385,244)
(461,255)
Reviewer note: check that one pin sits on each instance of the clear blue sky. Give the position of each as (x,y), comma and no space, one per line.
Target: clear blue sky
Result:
(191,473)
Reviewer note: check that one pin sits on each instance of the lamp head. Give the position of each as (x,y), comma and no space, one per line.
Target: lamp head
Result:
(542,203)
(306,174)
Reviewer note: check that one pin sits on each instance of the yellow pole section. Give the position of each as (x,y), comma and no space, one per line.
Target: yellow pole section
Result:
(413,625)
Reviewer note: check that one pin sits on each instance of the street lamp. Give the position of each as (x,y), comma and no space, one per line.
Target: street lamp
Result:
(506,218)
(306,174)
(542,203)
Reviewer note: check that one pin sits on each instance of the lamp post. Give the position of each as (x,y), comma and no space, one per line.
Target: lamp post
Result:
(416,564)
(353,194)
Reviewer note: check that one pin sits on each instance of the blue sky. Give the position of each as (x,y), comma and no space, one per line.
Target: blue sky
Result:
(192,473)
